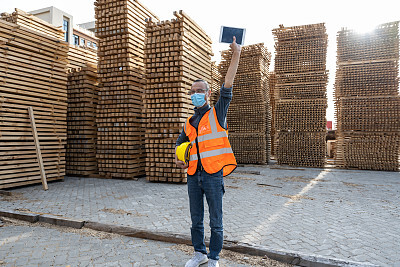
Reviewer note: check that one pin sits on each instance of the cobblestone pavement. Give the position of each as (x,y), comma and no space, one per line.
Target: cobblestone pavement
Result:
(24,244)
(344,214)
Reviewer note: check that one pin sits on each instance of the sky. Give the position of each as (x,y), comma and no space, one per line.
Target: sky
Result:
(259,17)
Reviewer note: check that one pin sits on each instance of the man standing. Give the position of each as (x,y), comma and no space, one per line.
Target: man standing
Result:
(211,158)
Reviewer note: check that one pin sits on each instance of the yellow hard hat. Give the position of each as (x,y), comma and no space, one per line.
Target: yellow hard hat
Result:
(183,151)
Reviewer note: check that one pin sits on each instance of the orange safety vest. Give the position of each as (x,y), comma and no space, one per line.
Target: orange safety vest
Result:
(214,148)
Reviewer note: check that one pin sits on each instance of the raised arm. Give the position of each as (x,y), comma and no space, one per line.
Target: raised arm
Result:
(233,66)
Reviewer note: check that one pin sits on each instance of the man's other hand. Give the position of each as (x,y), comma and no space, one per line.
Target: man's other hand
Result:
(181,164)
(234,46)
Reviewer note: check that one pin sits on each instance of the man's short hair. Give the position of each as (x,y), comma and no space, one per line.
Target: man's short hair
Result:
(203,81)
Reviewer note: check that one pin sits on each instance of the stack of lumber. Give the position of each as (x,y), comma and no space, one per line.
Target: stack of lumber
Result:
(81,121)
(79,56)
(215,83)
(177,53)
(272,86)
(120,27)
(34,23)
(249,115)
(300,92)
(32,71)
(367,99)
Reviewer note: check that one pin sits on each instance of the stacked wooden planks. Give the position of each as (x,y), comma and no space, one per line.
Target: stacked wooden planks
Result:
(34,23)
(120,27)
(367,99)
(301,80)
(32,71)
(81,121)
(177,52)
(249,114)
(79,56)
(272,96)
(215,83)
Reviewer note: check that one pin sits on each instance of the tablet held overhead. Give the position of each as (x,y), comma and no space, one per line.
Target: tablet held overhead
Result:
(227,33)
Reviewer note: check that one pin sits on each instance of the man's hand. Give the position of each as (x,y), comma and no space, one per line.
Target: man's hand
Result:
(180,163)
(234,46)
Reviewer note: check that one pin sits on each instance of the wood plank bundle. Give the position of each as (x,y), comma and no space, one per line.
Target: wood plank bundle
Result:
(177,52)
(81,121)
(32,71)
(249,115)
(367,99)
(272,88)
(301,80)
(120,27)
(34,23)
(215,83)
(79,56)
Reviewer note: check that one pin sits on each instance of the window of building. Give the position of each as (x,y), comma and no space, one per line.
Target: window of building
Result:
(89,43)
(66,29)
(76,39)
(82,41)
(94,45)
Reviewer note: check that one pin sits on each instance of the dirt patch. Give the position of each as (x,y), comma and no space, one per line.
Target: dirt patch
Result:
(289,169)
(12,197)
(39,213)
(119,211)
(248,172)
(83,231)
(237,257)
(294,198)
(268,185)
(353,185)
(300,179)
(239,178)
(232,186)
(15,196)
(121,197)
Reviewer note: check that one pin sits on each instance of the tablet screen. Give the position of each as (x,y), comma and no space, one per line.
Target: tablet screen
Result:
(227,34)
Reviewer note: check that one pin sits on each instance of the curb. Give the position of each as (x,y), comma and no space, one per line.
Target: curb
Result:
(60,221)
(32,218)
(289,257)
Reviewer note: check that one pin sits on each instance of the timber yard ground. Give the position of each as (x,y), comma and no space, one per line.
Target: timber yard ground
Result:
(299,215)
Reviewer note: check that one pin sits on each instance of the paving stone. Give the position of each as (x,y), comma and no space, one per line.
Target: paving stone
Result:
(121,251)
(345,210)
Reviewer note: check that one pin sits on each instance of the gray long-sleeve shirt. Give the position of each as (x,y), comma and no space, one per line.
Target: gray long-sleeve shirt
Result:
(221,109)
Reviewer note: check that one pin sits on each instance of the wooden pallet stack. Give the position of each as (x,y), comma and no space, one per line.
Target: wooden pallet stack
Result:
(120,27)
(177,52)
(215,83)
(249,114)
(81,121)
(272,95)
(34,23)
(301,80)
(32,71)
(367,99)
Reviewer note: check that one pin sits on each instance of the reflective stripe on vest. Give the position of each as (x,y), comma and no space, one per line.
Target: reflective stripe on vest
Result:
(210,136)
(212,153)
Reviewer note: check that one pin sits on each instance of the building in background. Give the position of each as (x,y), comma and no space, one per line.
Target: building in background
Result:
(82,35)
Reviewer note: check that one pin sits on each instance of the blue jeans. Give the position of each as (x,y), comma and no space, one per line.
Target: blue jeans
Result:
(212,186)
